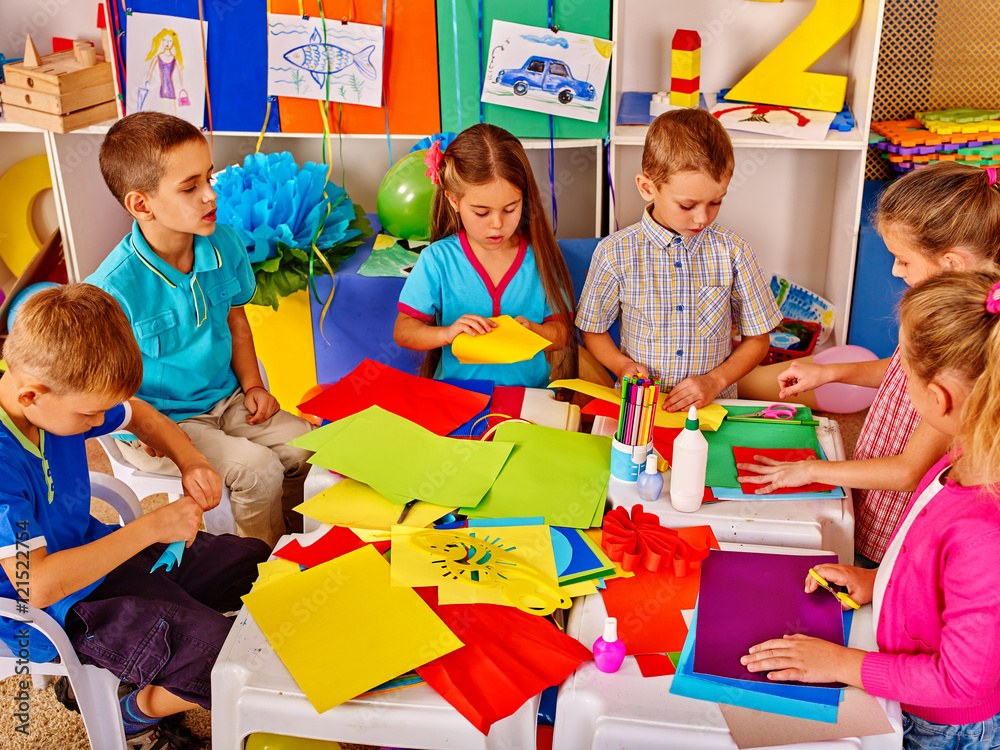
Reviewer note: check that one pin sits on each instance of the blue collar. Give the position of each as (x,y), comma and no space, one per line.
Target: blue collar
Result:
(206,258)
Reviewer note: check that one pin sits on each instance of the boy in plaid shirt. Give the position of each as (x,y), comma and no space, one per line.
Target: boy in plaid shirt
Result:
(676,279)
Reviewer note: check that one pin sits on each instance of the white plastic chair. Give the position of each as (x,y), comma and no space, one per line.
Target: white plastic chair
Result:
(219,520)
(96,688)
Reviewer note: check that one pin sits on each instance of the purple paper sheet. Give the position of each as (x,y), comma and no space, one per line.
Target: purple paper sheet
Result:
(747,598)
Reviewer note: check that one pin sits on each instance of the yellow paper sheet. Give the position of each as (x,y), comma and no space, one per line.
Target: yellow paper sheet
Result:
(413,567)
(508,342)
(583,588)
(383,241)
(709,418)
(353,503)
(274,570)
(341,629)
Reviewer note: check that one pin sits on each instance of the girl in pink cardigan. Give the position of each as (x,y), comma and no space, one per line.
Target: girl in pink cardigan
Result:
(936,596)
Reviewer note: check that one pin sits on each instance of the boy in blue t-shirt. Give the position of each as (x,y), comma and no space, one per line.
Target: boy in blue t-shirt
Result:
(182,281)
(72,362)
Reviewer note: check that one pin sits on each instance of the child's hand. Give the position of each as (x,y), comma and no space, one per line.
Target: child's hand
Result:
(801,377)
(697,390)
(777,474)
(202,483)
(526,323)
(471,324)
(261,405)
(177,521)
(632,369)
(860,582)
(804,658)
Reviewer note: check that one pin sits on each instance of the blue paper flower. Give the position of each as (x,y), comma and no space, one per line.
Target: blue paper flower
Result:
(271,200)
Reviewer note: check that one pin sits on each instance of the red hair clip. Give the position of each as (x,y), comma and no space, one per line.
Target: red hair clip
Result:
(433,162)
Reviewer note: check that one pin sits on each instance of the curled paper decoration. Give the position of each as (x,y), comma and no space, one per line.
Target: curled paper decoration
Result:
(271,200)
(170,558)
(433,162)
(640,539)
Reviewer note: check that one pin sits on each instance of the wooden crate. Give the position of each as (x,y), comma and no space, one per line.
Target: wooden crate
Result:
(60,94)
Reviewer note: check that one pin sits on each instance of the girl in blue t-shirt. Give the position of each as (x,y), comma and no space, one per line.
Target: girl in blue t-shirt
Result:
(493,253)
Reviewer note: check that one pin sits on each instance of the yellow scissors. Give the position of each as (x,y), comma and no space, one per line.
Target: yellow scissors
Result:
(839,594)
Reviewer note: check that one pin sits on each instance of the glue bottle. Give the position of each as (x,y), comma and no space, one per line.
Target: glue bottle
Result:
(609,651)
(650,483)
(687,472)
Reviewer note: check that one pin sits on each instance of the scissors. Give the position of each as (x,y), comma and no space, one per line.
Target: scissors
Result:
(839,594)
(774,411)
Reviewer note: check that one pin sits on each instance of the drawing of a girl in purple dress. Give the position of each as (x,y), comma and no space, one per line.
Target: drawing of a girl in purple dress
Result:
(166,61)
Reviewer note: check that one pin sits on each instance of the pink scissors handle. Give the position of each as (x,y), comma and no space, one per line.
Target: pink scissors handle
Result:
(779,411)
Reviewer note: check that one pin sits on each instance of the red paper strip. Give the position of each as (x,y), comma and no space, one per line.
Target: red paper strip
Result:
(440,407)
(638,538)
(746,456)
(648,606)
(508,657)
(336,542)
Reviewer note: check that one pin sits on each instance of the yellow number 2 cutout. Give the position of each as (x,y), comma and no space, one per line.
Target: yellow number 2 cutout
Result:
(783,78)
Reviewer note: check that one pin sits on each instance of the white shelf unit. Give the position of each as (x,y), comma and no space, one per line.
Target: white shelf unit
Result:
(796,202)
(92,222)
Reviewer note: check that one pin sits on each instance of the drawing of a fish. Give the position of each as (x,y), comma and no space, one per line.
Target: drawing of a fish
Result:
(326,59)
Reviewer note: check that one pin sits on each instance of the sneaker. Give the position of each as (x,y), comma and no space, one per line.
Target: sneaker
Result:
(63,691)
(160,737)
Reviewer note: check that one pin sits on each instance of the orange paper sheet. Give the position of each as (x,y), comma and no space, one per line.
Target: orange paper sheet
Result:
(648,606)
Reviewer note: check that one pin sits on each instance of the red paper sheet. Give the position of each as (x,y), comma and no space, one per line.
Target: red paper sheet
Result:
(655,665)
(508,657)
(745,456)
(439,407)
(648,606)
(336,542)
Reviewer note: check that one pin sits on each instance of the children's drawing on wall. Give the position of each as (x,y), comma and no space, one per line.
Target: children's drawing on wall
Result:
(554,72)
(160,74)
(774,120)
(342,62)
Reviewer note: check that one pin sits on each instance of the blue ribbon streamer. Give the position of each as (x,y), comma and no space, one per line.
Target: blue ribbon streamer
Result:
(482,78)
(458,78)
(552,140)
(385,95)
(611,185)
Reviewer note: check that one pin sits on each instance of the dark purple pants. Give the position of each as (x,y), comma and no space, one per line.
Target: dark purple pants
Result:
(162,628)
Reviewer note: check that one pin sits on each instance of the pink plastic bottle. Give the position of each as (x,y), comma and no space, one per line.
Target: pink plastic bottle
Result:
(609,651)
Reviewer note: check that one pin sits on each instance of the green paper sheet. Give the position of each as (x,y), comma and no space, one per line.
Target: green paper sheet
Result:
(560,475)
(721,471)
(404,461)
(592,17)
(388,262)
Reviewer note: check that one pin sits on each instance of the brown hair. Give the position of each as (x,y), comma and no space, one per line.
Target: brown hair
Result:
(943,206)
(947,329)
(75,339)
(133,151)
(477,156)
(684,140)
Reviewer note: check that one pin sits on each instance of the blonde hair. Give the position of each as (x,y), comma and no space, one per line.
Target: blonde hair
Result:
(478,156)
(133,153)
(948,330)
(154,48)
(944,206)
(75,339)
(683,140)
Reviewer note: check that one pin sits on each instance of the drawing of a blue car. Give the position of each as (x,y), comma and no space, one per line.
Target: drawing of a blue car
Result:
(546,74)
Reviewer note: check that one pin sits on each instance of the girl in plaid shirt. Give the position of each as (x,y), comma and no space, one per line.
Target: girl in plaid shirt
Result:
(943,217)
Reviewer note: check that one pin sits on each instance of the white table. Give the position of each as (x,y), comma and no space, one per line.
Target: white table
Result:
(598,711)
(806,524)
(253,691)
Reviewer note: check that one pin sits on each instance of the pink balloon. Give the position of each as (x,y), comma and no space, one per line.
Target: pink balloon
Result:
(841,398)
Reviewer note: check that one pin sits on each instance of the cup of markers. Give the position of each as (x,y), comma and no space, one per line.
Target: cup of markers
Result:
(634,439)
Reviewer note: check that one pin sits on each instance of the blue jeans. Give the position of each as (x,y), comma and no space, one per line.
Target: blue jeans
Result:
(919,734)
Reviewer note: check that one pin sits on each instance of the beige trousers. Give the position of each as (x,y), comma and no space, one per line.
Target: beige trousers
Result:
(264,476)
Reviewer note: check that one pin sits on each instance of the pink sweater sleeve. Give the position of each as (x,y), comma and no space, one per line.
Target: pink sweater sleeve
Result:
(965,670)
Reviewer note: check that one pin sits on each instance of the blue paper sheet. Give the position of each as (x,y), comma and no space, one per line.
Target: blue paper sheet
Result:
(171,557)
(477,386)
(818,704)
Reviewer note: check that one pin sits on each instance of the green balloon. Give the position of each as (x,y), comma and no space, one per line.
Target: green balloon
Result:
(405,198)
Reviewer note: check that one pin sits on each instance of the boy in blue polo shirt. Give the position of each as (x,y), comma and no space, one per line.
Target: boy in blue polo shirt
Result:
(72,362)
(182,282)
